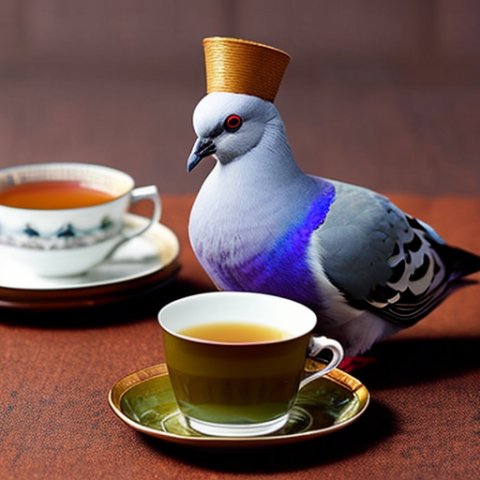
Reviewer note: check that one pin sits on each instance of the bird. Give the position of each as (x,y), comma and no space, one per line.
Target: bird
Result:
(260,223)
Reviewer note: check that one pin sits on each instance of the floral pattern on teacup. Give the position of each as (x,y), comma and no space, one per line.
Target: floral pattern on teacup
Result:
(67,236)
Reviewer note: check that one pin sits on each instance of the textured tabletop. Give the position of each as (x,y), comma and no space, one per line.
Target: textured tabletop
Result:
(57,369)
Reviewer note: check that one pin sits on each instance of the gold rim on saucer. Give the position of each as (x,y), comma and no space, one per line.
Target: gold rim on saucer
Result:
(144,400)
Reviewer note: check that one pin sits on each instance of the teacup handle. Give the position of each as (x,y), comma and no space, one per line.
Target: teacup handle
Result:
(145,193)
(316,345)
(138,194)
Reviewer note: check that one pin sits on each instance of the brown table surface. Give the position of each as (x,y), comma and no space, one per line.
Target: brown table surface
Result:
(423,421)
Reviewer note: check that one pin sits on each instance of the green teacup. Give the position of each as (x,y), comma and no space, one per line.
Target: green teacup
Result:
(236,359)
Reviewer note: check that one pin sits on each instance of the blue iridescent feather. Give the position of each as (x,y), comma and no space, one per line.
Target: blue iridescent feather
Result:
(283,269)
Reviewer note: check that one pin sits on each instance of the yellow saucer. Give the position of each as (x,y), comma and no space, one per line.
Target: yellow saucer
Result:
(144,400)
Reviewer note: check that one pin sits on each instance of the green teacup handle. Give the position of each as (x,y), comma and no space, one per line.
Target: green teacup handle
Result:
(138,194)
(316,345)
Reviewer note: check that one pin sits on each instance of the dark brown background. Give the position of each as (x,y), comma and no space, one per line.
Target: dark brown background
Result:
(384,93)
(380,93)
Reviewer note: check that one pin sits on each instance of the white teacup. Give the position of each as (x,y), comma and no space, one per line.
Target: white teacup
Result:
(55,240)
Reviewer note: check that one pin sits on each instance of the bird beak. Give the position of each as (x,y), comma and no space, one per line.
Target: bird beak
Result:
(203,148)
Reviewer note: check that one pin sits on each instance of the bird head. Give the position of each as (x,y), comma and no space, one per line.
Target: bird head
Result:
(229,125)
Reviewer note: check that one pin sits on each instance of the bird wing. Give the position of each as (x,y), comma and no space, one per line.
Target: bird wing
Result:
(380,258)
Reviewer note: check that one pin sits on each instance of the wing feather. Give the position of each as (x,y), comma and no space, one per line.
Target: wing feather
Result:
(380,258)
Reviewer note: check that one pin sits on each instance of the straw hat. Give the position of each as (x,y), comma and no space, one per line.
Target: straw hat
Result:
(241,66)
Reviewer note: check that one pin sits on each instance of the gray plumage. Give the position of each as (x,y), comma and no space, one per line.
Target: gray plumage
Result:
(261,224)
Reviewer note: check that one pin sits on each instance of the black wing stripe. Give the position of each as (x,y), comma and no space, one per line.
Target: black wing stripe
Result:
(414,245)
(407,314)
(397,272)
(421,270)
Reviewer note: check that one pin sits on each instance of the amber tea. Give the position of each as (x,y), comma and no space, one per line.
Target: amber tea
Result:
(234,332)
(52,195)
(61,219)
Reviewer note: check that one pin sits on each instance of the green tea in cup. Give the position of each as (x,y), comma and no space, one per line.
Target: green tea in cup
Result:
(236,359)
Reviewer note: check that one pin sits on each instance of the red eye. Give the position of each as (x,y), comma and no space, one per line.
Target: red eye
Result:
(232,123)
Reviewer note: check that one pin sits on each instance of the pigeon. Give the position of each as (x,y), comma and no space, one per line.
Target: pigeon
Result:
(261,224)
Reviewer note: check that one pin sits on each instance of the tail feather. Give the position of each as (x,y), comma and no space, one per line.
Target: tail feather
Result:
(459,262)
